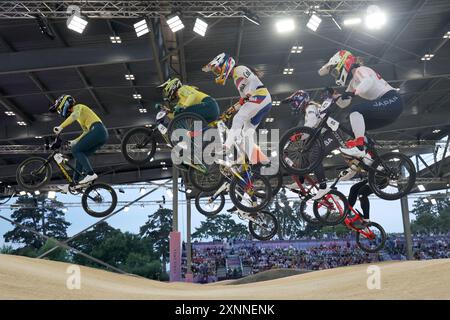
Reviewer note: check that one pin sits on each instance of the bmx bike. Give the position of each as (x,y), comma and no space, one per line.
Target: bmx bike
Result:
(302,149)
(139,145)
(98,199)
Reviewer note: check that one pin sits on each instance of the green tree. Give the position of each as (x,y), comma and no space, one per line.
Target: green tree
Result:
(157,230)
(59,254)
(291,226)
(430,217)
(43,215)
(220,227)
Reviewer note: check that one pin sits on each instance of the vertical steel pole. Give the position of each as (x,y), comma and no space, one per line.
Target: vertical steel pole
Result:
(189,275)
(406,227)
(175,198)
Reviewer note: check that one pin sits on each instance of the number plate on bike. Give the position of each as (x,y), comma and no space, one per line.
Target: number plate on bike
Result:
(162,128)
(161,115)
(333,124)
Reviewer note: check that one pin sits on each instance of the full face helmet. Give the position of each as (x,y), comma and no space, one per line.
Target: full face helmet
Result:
(170,88)
(63,105)
(340,66)
(221,66)
(298,100)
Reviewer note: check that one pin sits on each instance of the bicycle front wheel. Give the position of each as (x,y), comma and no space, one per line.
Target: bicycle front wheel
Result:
(186,124)
(210,205)
(371,238)
(33,173)
(99,200)
(300,151)
(251,195)
(332,209)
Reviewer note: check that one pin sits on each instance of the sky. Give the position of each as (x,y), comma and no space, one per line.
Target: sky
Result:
(386,213)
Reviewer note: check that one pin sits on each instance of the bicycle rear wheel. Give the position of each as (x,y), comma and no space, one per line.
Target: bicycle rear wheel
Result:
(307,212)
(332,209)
(207,181)
(371,238)
(298,153)
(33,173)
(265,227)
(99,200)
(393,176)
(138,146)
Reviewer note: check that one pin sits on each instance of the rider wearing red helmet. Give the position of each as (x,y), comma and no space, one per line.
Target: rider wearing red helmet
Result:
(383,106)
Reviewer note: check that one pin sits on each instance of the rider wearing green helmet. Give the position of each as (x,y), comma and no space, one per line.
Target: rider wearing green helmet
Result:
(189,98)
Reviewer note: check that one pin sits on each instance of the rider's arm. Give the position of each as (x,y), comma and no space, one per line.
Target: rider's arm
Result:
(73,116)
(365,81)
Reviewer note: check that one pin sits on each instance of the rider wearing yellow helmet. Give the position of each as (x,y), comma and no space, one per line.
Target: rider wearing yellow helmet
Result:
(93,137)
(189,98)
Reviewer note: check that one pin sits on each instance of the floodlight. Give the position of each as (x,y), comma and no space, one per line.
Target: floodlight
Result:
(200,27)
(285,25)
(175,23)
(314,22)
(352,21)
(141,28)
(76,23)
(375,18)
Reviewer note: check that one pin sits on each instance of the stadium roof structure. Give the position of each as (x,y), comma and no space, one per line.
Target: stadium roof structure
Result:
(36,68)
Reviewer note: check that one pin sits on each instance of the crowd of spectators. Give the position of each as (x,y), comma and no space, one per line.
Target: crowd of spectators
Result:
(310,255)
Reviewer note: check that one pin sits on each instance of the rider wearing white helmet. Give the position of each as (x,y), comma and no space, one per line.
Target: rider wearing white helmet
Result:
(255,101)
(384,103)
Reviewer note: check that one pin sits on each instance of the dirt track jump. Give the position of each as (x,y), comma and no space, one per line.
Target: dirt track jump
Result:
(26,278)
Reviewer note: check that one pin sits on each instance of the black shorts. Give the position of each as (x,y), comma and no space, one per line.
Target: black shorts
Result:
(381,112)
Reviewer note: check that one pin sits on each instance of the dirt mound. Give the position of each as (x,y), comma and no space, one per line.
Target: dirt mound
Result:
(26,278)
(268,275)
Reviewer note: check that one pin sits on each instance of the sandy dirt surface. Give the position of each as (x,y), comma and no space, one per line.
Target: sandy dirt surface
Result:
(25,278)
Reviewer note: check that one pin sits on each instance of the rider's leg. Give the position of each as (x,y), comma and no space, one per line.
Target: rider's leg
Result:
(319,172)
(87,145)
(363,197)
(354,190)
(247,111)
(371,115)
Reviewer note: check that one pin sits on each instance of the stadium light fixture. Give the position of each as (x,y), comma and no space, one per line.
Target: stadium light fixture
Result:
(38,137)
(276,103)
(433,201)
(21,123)
(375,18)
(76,23)
(263,131)
(142,110)
(188,191)
(175,23)
(285,25)
(288,70)
(51,195)
(200,27)
(37,192)
(352,21)
(141,28)
(297,49)
(137,96)
(426,200)
(22,193)
(314,22)
(447,35)
(427,57)
(436,130)
(270,119)
(129,77)
(115,39)
(10,113)
(421,187)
